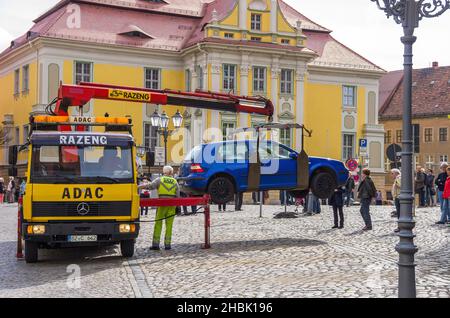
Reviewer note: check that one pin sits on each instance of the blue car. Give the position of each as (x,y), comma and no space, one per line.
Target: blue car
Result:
(226,168)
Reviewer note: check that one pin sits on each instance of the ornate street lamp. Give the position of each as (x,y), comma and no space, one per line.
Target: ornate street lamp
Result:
(408,13)
(162,123)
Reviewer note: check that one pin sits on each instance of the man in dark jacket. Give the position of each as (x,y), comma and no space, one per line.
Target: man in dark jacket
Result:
(429,188)
(440,182)
(366,193)
(337,202)
(419,185)
(349,187)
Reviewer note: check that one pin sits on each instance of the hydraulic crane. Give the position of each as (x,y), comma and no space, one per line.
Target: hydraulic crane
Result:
(79,95)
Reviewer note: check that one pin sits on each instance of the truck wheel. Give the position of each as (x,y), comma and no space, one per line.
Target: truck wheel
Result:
(127,248)
(31,252)
(221,190)
(323,185)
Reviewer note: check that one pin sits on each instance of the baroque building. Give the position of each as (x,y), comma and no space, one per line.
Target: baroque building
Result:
(247,47)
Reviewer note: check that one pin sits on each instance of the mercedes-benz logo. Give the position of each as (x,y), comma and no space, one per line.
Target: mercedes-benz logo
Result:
(83,208)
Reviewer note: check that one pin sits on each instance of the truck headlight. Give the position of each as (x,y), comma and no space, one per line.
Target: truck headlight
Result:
(127,228)
(36,229)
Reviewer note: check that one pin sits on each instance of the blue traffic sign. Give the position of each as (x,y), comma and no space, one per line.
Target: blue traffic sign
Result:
(363,143)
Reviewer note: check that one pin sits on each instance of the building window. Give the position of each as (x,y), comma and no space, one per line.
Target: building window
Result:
(150,136)
(26,132)
(17,136)
(348,148)
(259,79)
(399,136)
(26,78)
(256,22)
(349,93)
(153,78)
(227,127)
(199,71)
(256,39)
(286,137)
(285,41)
(16,81)
(83,72)
(443,134)
(416,135)
(388,137)
(428,134)
(229,35)
(188,78)
(286,81)
(429,162)
(444,158)
(229,77)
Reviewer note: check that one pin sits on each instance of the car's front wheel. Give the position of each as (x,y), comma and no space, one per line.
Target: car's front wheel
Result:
(323,185)
(221,190)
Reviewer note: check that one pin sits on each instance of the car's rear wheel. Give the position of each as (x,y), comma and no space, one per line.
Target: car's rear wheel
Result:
(323,185)
(221,190)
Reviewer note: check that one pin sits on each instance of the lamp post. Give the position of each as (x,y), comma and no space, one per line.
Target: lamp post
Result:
(408,13)
(162,123)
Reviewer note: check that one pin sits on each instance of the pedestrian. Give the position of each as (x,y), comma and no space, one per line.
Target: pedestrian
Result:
(379,198)
(430,191)
(10,190)
(419,185)
(144,194)
(446,200)
(2,190)
(337,202)
(396,188)
(255,197)
(223,207)
(23,186)
(349,188)
(366,193)
(239,201)
(167,187)
(440,183)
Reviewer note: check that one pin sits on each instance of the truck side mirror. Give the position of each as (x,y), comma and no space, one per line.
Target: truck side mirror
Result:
(12,171)
(150,159)
(12,155)
(293,155)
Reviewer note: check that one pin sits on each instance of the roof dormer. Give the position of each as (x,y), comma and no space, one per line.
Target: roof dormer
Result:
(135,31)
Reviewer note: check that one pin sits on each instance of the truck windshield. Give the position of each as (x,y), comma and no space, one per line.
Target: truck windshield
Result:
(82,164)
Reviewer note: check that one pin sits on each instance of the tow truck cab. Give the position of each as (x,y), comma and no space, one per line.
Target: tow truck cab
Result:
(81,191)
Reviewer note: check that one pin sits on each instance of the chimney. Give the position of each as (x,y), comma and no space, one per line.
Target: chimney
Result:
(435,64)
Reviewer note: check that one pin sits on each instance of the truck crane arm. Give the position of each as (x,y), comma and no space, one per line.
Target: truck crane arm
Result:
(79,95)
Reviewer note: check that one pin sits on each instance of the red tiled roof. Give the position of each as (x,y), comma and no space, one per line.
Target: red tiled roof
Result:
(388,85)
(172,26)
(431,94)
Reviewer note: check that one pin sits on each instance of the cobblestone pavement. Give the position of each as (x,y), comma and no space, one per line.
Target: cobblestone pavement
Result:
(250,257)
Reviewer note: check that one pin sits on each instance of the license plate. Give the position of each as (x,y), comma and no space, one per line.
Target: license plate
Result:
(82,238)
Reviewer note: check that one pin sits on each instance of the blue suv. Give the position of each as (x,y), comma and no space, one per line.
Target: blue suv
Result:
(226,168)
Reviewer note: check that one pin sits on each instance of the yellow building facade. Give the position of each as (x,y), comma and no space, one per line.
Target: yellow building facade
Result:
(245,47)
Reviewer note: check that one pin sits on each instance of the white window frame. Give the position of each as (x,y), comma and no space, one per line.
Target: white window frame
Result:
(443,158)
(287,82)
(286,140)
(199,71)
(230,125)
(346,147)
(229,77)
(25,78)
(349,94)
(154,136)
(84,76)
(256,22)
(17,81)
(188,78)
(259,76)
(425,135)
(150,81)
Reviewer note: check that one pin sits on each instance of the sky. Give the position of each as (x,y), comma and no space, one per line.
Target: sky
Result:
(356,23)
